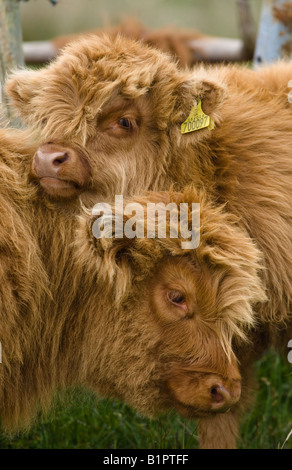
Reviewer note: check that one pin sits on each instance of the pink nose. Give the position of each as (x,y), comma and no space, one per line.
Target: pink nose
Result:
(49,163)
(222,397)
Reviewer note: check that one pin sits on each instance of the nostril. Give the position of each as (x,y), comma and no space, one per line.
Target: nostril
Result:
(217,394)
(60,159)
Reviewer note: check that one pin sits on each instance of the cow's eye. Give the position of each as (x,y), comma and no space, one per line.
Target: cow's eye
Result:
(125,123)
(176,297)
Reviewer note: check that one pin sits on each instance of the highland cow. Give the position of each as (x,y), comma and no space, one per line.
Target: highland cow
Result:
(108,115)
(184,318)
(186,46)
(168,39)
(123,336)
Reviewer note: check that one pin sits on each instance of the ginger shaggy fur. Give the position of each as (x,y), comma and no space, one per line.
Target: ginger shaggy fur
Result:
(81,100)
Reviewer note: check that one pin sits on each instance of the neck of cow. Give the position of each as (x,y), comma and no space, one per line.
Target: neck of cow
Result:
(241,173)
(255,188)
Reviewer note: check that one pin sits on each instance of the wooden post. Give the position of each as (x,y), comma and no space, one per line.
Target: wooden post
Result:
(11,54)
(274,40)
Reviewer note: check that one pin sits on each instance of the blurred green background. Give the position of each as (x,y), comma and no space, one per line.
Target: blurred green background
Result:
(41,20)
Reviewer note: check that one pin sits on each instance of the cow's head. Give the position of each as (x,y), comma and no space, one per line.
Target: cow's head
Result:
(108,115)
(172,317)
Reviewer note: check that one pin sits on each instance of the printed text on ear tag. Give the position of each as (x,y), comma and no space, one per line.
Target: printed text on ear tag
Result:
(197,120)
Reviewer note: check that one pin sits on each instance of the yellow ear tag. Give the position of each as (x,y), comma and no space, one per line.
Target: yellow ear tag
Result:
(197,120)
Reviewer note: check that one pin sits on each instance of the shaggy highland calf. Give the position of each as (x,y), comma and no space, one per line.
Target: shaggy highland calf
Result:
(107,115)
(177,323)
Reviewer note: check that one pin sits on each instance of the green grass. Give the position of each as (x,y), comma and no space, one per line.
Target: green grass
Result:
(86,422)
(270,420)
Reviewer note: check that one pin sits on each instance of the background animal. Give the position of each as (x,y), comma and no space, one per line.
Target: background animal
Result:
(169,39)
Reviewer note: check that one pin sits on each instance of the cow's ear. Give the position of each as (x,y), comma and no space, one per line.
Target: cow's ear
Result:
(198,105)
(23,87)
(118,258)
(102,243)
(211,92)
(112,243)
